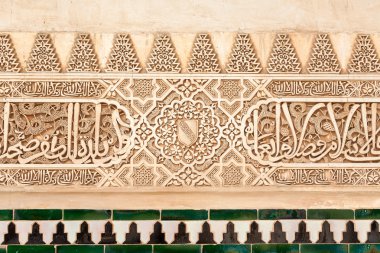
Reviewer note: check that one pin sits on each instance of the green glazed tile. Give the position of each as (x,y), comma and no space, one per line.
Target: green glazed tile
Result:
(233,214)
(235,248)
(278,214)
(184,214)
(80,249)
(136,214)
(86,214)
(3,250)
(333,214)
(38,214)
(31,249)
(128,249)
(324,248)
(367,214)
(177,249)
(6,214)
(364,248)
(275,248)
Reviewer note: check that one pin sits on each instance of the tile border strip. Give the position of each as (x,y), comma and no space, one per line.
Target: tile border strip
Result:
(267,230)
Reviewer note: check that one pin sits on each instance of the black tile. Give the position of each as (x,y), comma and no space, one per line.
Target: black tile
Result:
(230,237)
(181,237)
(132,237)
(60,237)
(35,237)
(206,237)
(11,237)
(108,237)
(84,237)
(157,237)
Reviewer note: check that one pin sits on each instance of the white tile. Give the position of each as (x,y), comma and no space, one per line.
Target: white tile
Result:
(121,228)
(266,227)
(338,227)
(146,229)
(48,228)
(242,228)
(218,227)
(96,228)
(290,227)
(72,228)
(169,228)
(314,227)
(363,227)
(23,228)
(194,228)
(4,229)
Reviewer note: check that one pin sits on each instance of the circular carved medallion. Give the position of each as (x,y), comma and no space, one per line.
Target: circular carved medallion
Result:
(187,132)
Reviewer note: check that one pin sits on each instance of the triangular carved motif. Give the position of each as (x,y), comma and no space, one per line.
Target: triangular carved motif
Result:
(43,56)
(123,57)
(364,58)
(323,58)
(203,57)
(163,57)
(283,58)
(83,57)
(243,58)
(8,58)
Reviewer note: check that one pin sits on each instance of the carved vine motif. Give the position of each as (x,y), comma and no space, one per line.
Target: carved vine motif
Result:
(163,57)
(188,133)
(283,57)
(203,59)
(83,57)
(43,56)
(8,58)
(123,56)
(306,132)
(243,58)
(364,58)
(64,133)
(323,58)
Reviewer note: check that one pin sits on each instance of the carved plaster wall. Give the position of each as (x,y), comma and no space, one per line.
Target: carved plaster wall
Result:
(213,126)
(90,110)
(116,99)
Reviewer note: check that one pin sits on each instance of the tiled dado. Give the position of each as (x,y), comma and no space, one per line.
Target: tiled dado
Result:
(190,231)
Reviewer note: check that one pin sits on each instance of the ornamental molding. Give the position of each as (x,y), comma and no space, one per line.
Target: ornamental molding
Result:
(242,122)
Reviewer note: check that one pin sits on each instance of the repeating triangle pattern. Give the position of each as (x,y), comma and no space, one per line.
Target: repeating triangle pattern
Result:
(123,57)
(364,58)
(243,58)
(283,58)
(83,56)
(323,58)
(163,57)
(8,58)
(43,57)
(203,58)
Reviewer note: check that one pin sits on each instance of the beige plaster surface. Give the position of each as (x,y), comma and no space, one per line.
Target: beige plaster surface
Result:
(194,200)
(190,15)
